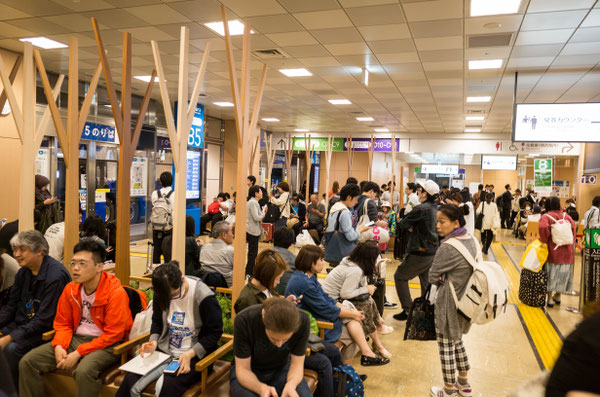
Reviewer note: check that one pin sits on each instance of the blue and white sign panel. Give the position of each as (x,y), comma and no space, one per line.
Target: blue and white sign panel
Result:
(196,137)
(557,122)
(99,132)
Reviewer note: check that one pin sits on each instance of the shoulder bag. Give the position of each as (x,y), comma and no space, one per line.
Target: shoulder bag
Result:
(337,246)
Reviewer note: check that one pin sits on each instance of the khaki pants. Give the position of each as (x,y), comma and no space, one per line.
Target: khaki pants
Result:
(42,360)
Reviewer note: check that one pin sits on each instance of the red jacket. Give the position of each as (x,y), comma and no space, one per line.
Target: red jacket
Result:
(564,254)
(110,313)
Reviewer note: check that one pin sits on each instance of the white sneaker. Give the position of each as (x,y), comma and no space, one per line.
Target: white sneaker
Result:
(441,392)
(463,390)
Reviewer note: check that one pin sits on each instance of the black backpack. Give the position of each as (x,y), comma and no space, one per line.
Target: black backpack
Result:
(273,213)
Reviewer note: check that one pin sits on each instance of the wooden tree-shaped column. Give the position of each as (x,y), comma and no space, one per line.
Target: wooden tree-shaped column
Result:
(246,128)
(255,150)
(69,137)
(179,136)
(11,78)
(350,155)
(270,160)
(289,153)
(392,188)
(371,152)
(328,153)
(308,160)
(128,140)
(24,117)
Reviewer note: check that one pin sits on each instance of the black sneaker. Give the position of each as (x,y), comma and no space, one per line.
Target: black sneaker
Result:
(390,305)
(367,361)
(401,316)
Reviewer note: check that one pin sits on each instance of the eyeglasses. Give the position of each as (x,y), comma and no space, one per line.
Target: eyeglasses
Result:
(80,264)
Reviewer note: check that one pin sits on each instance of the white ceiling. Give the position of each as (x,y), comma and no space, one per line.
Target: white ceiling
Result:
(416,51)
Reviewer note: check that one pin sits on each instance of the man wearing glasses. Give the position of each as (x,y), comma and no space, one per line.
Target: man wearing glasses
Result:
(31,305)
(92,316)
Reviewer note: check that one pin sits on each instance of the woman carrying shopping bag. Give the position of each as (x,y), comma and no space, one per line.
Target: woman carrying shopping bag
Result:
(554,231)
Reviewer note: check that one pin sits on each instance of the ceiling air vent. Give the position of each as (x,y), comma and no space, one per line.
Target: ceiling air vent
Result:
(356,112)
(475,111)
(492,40)
(271,53)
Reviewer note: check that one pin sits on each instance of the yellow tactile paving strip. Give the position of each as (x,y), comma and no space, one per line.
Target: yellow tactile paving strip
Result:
(544,338)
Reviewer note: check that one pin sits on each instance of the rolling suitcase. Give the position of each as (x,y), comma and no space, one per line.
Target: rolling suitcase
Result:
(533,287)
(268,228)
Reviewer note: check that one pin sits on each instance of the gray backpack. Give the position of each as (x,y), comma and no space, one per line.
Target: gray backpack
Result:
(161,215)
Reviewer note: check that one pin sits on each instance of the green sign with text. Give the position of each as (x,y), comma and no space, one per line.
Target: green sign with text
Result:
(318,144)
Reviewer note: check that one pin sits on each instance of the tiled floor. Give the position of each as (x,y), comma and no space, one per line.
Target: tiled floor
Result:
(500,353)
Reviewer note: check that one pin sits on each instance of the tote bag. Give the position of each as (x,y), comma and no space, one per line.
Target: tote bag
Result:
(337,246)
(420,324)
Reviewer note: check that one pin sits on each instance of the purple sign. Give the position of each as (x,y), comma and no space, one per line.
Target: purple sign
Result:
(381,144)
(163,143)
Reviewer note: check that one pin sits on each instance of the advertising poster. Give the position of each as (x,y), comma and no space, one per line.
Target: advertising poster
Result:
(139,176)
(42,162)
(542,176)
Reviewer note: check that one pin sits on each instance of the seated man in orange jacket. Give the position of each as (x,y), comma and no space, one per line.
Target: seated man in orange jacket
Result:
(91,318)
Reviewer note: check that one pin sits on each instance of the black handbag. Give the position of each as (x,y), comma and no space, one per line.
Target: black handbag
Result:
(479,218)
(360,298)
(533,287)
(337,246)
(420,324)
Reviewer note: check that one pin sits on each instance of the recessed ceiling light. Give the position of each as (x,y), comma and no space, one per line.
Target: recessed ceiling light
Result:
(479,98)
(44,43)
(146,78)
(485,64)
(472,129)
(270,119)
(223,104)
(301,72)
(340,102)
(494,7)
(301,130)
(236,27)
(365,118)
(366,77)
(382,130)
(473,118)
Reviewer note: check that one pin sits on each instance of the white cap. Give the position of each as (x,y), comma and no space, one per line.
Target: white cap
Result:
(431,187)
(386,204)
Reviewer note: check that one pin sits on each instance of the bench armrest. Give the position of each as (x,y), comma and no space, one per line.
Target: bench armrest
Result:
(207,361)
(48,336)
(124,347)
(227,291)
(323,325)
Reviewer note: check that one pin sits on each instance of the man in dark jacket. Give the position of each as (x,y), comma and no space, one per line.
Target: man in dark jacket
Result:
(370,191)
(505,206)
(422,245)
(31,306)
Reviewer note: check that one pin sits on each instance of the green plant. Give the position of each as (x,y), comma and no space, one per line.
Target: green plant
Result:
(225,304)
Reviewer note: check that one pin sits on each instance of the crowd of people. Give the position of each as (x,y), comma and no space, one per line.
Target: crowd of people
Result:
(91,312)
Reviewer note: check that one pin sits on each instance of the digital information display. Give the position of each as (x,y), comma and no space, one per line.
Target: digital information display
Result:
(439,169)
(557,122)
(498,162)
(192,183)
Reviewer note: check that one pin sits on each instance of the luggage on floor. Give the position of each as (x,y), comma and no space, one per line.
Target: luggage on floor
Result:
(533,287)
(420,324)
(347,382)
(268,232)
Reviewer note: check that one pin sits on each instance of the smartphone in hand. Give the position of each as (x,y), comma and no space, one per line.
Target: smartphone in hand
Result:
(172,367)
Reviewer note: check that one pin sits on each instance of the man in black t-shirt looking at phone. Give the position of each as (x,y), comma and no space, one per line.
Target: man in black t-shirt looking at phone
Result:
(264,337)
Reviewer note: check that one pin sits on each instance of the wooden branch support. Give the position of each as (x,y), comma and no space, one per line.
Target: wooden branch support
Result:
(289,153)
(308,160)
(328,154)
(11,79)
(245,127)
(127,143)
(371,152)
(350,155)
(24,117)
(270,160)
(70,136)
(179,135)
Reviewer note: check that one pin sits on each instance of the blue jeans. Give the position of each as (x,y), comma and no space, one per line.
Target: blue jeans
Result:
(322,363)
(276,378)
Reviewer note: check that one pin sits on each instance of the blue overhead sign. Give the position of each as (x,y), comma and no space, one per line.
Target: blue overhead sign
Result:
(196,136)
(99,132)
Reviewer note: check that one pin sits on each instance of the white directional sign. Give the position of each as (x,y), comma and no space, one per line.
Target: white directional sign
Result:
(557,122)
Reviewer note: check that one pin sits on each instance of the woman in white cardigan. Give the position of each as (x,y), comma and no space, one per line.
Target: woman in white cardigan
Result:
(491,221)
(283,202)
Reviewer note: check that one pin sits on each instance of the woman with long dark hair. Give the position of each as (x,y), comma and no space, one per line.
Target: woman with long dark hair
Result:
(186,324)
(350,281)
(450,266)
